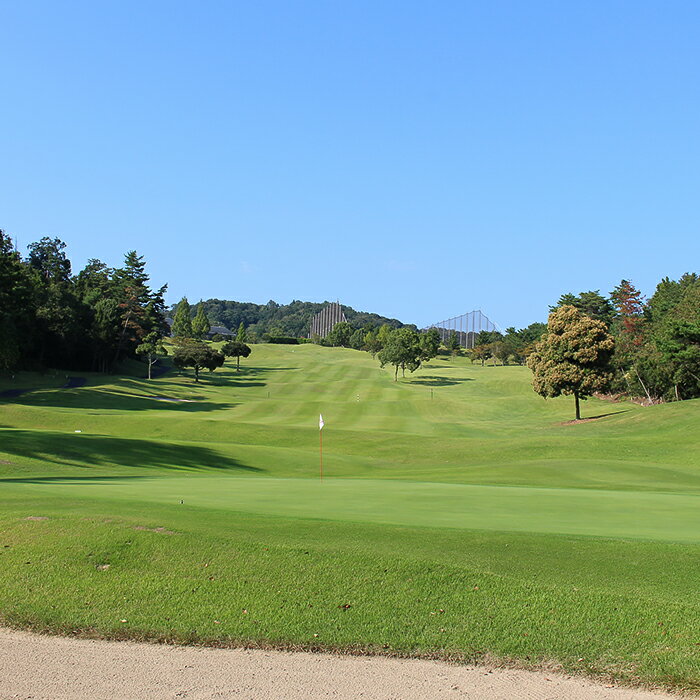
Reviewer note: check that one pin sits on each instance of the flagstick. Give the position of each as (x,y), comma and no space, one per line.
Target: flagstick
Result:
(320,450)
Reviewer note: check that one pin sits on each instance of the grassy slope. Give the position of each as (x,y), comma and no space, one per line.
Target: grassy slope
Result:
(539,540)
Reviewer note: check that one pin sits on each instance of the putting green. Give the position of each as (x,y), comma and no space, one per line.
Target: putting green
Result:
(622,514)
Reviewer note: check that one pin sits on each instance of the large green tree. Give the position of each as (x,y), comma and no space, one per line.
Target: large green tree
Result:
(197,355)
(573,356)
(340,335)
(57,327)
(429,343)
(402,351)
(236,349)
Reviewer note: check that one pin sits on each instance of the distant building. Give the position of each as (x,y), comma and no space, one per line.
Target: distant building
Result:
(220,330)
(322,323)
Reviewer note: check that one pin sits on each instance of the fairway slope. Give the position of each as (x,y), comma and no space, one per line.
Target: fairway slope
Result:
(460,515)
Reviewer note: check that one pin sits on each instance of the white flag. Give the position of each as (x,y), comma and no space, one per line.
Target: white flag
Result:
(320,422)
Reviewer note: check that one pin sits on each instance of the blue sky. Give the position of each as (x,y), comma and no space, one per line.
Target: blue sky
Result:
(419,160)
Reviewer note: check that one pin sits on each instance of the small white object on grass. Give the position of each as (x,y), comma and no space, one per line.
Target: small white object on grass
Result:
(77,431)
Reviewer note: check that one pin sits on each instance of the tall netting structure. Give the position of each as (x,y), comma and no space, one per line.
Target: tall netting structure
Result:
(322,323)
(467,327)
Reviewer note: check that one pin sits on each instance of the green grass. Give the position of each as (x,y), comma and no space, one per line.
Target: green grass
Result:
(461,515)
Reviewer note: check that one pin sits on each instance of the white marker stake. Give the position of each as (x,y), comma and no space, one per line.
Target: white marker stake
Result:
(320,442)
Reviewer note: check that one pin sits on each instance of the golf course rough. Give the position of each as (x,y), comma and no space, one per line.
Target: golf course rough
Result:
(460,516)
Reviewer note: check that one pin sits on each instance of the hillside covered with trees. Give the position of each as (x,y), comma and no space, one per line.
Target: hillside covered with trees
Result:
(292,320)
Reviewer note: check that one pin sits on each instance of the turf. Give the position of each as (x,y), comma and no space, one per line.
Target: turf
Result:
(460,514)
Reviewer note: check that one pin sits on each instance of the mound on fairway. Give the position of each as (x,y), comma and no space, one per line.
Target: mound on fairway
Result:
(460,515)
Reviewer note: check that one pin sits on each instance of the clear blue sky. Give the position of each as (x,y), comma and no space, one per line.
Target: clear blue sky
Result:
(417,159)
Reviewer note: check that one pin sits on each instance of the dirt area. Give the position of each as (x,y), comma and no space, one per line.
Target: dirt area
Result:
(62,668)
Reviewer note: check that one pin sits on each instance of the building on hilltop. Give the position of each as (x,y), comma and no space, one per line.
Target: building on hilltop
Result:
(322,323)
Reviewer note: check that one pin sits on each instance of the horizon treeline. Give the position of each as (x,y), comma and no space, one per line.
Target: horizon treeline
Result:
(272,319)
(101,316)
(89,321)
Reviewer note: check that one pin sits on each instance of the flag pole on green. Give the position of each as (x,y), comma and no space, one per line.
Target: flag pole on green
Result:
(320,442)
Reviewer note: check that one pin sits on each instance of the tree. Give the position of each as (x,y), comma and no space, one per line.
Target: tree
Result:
(182,323)
(46,256)
(429,344)
(591,303)
(452,343)
(678,340)
(513,345)
(481,353)
(402,350)
(573,357)
(629,305)
(142,309)
(357,340)
(236,349)
(241,335)
(340,335)
(200,323)
(56,312)
(500,351)
(371,342)
(198,355)
(384,334)
(152,348)
(17,305)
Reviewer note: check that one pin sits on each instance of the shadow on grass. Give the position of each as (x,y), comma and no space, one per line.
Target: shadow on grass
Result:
(115,400)
(605,415)
(586,419)
(90,451)
(435,380)
(68,479)
(91,393)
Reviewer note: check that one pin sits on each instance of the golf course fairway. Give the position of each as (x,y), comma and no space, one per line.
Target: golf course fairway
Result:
(460,515)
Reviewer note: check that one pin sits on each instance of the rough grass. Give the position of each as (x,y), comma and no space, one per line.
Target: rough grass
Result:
(459,516)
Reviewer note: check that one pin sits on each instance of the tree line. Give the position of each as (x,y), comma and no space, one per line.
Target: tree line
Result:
(101,316)
(89,321)
(280,320)
(189,349)
(623,344)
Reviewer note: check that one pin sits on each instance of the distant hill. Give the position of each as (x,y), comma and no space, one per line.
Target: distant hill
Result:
(293,319)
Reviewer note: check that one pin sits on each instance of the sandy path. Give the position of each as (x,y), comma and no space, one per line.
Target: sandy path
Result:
(58,668)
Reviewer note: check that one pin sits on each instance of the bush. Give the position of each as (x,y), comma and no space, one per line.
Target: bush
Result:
(282,340)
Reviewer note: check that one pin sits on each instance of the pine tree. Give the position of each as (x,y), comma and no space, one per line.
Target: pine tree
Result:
(142,310)
(182,323)
(241,336)
(200,323)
